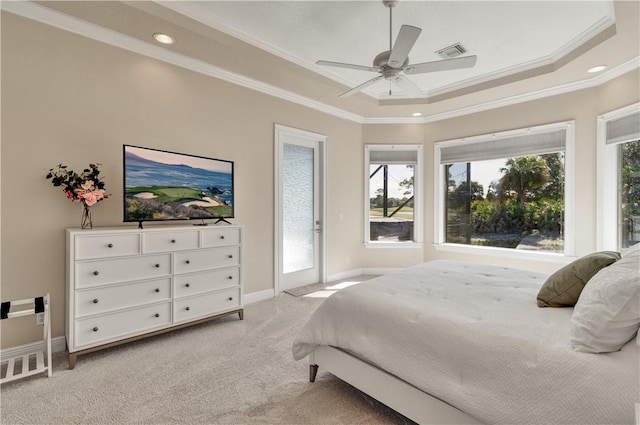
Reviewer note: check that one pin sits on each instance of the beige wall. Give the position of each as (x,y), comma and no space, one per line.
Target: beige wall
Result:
(583,106)
(68,99)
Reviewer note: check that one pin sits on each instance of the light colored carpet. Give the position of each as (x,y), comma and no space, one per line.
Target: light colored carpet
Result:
(223,372)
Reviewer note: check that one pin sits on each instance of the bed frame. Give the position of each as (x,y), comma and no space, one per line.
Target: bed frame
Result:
(399,395)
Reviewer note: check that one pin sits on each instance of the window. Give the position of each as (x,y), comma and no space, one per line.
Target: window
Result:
(507,190)
(619,178)
(392,194)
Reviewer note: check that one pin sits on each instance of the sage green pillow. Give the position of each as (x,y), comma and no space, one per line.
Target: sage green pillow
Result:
(563,288)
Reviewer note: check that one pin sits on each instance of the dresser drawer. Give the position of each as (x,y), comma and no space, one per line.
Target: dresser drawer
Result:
(205,305)
(105,246)
(197,283)
(220,237)
(170,241)
(114,297)
(102,329)
(204,259)
(94,273)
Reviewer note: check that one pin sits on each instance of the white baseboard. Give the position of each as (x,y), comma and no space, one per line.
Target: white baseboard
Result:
(254,297)
(376,271)
(58,345)
(344,275)
(267,294)
(380,270)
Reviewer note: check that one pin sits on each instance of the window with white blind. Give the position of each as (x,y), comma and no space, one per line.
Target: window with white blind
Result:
(510,190)
(619,178)
(393,216)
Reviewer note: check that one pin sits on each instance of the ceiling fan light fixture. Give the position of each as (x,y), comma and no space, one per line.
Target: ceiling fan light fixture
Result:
(163,38)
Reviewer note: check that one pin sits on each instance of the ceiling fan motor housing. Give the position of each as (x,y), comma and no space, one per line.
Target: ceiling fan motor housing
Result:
(381,62)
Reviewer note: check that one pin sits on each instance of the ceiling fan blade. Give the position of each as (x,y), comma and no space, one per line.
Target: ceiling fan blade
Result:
(406,39)
(361,86)
(443,65)
(407,85)
(347,65)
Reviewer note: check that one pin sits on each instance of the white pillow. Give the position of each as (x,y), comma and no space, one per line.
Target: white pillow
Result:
(607,314)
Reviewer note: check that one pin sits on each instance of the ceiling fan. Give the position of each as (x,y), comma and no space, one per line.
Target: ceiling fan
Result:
(393,64)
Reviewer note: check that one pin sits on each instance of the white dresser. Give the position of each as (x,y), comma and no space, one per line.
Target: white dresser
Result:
(125,284)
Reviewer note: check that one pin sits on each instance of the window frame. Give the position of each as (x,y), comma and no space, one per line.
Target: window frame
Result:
(607,170)
(418,212)
(569,196)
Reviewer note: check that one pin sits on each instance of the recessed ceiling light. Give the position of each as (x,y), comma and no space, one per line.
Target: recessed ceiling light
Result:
(417,114)
(163,38)
(597,69)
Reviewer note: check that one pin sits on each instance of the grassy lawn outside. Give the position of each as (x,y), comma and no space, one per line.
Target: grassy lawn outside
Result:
(534,241)
(405,213)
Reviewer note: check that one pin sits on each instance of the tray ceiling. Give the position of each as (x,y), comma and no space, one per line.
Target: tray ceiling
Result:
(508,37)
(525,49)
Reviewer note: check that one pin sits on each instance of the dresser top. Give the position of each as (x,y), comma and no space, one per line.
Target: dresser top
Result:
(156,228)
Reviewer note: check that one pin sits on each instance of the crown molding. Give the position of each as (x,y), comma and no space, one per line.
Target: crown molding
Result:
(59,20)
(630,65)
(42,14)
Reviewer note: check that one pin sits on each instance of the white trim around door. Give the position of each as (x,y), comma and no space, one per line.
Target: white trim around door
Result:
(288,135)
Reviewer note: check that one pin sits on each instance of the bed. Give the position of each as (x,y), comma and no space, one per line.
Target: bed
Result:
(455,342)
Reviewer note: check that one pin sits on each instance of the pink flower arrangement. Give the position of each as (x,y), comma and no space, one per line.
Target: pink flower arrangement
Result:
(85,187)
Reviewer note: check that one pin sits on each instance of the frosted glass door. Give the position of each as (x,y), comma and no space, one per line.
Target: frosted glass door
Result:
(299,208)
(299,221)
(298,217)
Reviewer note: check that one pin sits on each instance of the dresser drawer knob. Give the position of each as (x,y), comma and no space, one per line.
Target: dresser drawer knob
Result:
(95,301)
(96,273)
(173,241)
(157,315)
(188,308)
(187,285)
(188,262)
(157,289)
(230,298)
(157,266)
(110,245)
(230,277)
(230,256)
(95,329)
(222,237)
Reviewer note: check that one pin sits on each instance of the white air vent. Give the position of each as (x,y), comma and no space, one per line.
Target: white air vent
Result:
(452,51)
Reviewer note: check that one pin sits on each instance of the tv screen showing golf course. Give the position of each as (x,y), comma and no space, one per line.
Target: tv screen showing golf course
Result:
(161,185)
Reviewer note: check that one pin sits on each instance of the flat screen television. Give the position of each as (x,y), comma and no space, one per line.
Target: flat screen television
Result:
(161,185)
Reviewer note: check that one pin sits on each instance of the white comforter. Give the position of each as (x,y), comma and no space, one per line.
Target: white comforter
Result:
(473,336)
